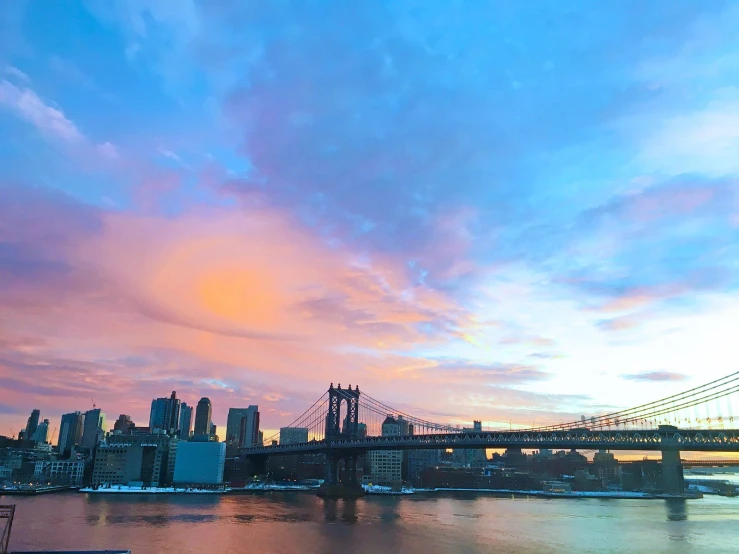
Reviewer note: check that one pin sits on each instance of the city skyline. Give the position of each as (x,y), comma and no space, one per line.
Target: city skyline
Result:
(519,216)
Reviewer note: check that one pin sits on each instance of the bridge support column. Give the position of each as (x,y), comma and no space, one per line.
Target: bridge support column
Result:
(348,487)
(331,475)
(673,481)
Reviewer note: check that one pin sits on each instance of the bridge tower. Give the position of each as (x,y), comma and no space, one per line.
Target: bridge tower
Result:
(337,396)
(335,457)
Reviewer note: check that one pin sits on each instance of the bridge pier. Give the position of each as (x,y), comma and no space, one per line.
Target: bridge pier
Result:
(333,487)
(673,481)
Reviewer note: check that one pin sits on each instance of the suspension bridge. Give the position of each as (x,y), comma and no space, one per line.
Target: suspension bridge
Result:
(700,420)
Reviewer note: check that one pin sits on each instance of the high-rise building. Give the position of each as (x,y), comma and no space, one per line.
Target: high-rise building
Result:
(293,435)
(70,431)
(41,434)
(203,414)
(94,428)
(249,435)
(172,414)
(213,431)
(386,466)
(242,426)
(233,425)
(124,424)
(165,414)
(185,421)
(472,457)
(156,415)
(32,423)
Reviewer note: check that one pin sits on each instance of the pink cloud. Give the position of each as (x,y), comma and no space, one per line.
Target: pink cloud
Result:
(656,376)
(623,323)
(241,304)
(216,300)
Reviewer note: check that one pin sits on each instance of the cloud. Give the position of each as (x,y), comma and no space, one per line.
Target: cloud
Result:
(108,150)
(426,210)
(219,288)
(47,119)
(17,73)
(624,323)
(703,140)
(484,374)
(545,355)
(670,240)
(655,376)
(171,155)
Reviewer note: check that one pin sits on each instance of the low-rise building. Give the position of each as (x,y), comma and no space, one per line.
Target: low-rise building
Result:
(66,472)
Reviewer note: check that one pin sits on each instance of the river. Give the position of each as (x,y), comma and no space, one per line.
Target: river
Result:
(420,524)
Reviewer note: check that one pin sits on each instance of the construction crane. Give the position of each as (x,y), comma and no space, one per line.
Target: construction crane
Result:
(93,403)
(53,436)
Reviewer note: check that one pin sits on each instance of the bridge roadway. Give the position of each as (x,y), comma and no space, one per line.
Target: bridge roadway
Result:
(670,439)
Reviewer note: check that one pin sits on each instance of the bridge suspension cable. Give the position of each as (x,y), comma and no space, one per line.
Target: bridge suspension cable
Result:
(313,419)
(672,409)
(696,396)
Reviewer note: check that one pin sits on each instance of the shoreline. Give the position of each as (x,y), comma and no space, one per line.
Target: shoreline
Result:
(151,490)
(622,495)
(515,493)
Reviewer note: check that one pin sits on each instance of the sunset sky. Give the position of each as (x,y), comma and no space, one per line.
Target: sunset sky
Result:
(507,211)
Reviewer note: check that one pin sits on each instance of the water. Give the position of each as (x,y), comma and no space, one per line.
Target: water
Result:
(420,524)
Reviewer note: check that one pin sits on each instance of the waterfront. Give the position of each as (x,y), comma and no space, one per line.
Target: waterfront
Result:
(291,522)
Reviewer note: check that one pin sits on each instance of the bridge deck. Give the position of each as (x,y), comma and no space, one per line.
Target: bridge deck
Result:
(722,440)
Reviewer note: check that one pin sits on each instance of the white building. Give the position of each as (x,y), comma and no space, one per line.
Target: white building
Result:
(199,463)
(386,466)
(67,471)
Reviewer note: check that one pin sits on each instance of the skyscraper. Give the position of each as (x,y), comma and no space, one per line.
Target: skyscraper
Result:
(203,414)
(165,414)
(242,426)
(70,431)
(32,423)
(233,425)
(94,427)
(185,421)
(41,434)
(172,414)
(124,424)
(156,415)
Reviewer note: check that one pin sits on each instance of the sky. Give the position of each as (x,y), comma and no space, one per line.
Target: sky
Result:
(514,212)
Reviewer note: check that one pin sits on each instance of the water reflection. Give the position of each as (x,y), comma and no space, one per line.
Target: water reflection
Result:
(677,509)
(349,513)
(345,509)
(287,523)
(329,510)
